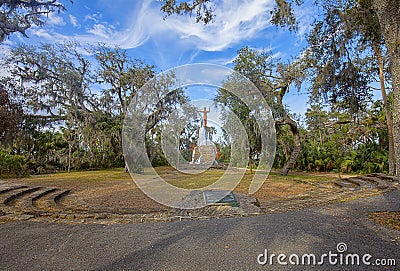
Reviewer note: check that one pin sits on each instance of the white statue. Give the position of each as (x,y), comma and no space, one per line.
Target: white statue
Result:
(205,152)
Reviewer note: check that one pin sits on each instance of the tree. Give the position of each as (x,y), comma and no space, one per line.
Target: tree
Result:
(387,11)
(287,75)
(346,24)
(11,115)
(335,66)
(151,105)
(273,80)
(54,79)
(57,84)
(281,15)
(124,76)
(20,15)
(364,20)
(331,141)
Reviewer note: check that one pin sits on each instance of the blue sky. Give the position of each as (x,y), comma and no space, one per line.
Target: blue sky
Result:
(139,27)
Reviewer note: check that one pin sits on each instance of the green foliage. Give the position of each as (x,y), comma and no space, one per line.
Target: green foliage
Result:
(248,120)
(19,15)
(330,143)
(202,9)
(337,69)
(73,125)
(10,115)
(282,15)
(12,165)
(224,153)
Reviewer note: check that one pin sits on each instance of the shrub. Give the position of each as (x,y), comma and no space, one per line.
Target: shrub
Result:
(12,165)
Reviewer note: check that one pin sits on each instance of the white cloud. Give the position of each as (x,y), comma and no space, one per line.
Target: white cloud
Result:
(235,21)
(225,60)
(101,31)
(54,19)
(41,33)
(51,36)
(177,39)
(95,17)
(74,21)
(305,16)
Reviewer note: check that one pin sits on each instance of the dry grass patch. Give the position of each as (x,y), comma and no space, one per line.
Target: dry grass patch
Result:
(387,219)
(115,188)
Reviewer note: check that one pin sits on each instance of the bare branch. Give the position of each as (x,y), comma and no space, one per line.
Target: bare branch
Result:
(18,16)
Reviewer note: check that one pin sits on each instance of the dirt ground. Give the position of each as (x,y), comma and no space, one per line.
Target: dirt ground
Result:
(114,188)
(387,219)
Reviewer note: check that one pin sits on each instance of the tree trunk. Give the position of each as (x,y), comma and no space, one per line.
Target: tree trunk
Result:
(389,118)
(295,131)
(296,143)
(286,150)
(251,165)
(388,12)
(69,156)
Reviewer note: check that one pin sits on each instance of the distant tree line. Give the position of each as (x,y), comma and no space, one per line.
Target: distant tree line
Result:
(343,130)
(62,108)
(345,32)
(60,113)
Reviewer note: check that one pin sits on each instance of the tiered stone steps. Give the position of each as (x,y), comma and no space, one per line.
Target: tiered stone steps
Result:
(29,201)
(50,201)
(35,199)
(36,203)
(373,181)
(341,190)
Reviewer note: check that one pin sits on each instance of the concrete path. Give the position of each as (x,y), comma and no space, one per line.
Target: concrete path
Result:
(216,244)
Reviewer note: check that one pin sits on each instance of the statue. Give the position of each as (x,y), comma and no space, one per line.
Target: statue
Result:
(204,111)
(205,152)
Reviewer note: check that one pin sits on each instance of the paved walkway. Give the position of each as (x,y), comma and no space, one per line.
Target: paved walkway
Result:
(214,244)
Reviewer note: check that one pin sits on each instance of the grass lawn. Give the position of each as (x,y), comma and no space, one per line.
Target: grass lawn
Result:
(115,188)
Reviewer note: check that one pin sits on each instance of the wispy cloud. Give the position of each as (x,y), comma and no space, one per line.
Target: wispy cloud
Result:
(41,33)
(101,31)
(95,17)
(74,21)
(177,39)
(305,17)
(235,21)
(54,19)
